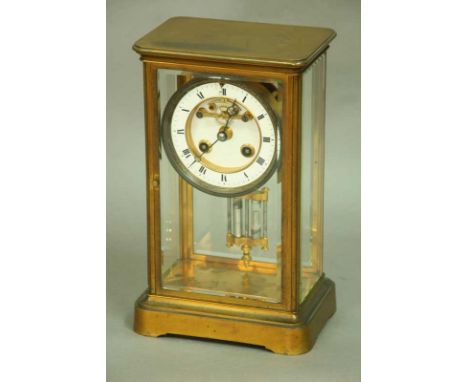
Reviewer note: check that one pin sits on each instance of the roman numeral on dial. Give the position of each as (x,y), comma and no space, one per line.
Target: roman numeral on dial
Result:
(202,170)
(260,161)
(186,153)
(223,178)
(261,116)
(200,95)
(181,131)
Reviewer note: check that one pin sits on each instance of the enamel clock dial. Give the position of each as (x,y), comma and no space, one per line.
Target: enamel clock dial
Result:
(221,137)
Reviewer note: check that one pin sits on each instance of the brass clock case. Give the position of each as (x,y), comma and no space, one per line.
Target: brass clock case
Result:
(247,269)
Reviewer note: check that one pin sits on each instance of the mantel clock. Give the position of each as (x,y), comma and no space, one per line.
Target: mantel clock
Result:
(235,164)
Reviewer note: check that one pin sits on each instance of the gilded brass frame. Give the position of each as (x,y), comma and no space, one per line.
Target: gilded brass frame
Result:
(297,324)
(291,85)
(316,246)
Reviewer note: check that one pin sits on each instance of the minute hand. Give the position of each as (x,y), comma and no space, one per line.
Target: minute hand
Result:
(232,111)
(222,133)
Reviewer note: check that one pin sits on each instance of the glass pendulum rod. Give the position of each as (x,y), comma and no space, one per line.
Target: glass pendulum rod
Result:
(247,223)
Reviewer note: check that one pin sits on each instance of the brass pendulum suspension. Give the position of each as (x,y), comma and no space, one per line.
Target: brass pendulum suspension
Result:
(247,223)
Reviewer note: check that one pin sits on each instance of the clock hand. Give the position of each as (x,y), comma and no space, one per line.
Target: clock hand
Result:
(232,111)
(209,148)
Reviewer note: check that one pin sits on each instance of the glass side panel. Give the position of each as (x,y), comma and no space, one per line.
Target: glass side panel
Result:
(312,171)
(169,186)
(220,245)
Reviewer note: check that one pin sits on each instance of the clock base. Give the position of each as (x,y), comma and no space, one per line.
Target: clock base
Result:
(293,334)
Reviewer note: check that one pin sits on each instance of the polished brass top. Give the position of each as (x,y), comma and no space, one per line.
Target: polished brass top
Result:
(235,42)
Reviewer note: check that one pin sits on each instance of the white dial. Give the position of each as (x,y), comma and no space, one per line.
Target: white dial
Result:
(221,137)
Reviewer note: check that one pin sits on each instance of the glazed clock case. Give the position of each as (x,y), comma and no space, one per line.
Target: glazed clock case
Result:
(210,274)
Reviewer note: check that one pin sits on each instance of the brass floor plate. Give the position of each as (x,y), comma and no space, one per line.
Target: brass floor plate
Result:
(227,277)
(215,278)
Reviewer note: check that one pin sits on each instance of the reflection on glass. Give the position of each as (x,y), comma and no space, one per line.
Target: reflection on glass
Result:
(312,158)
